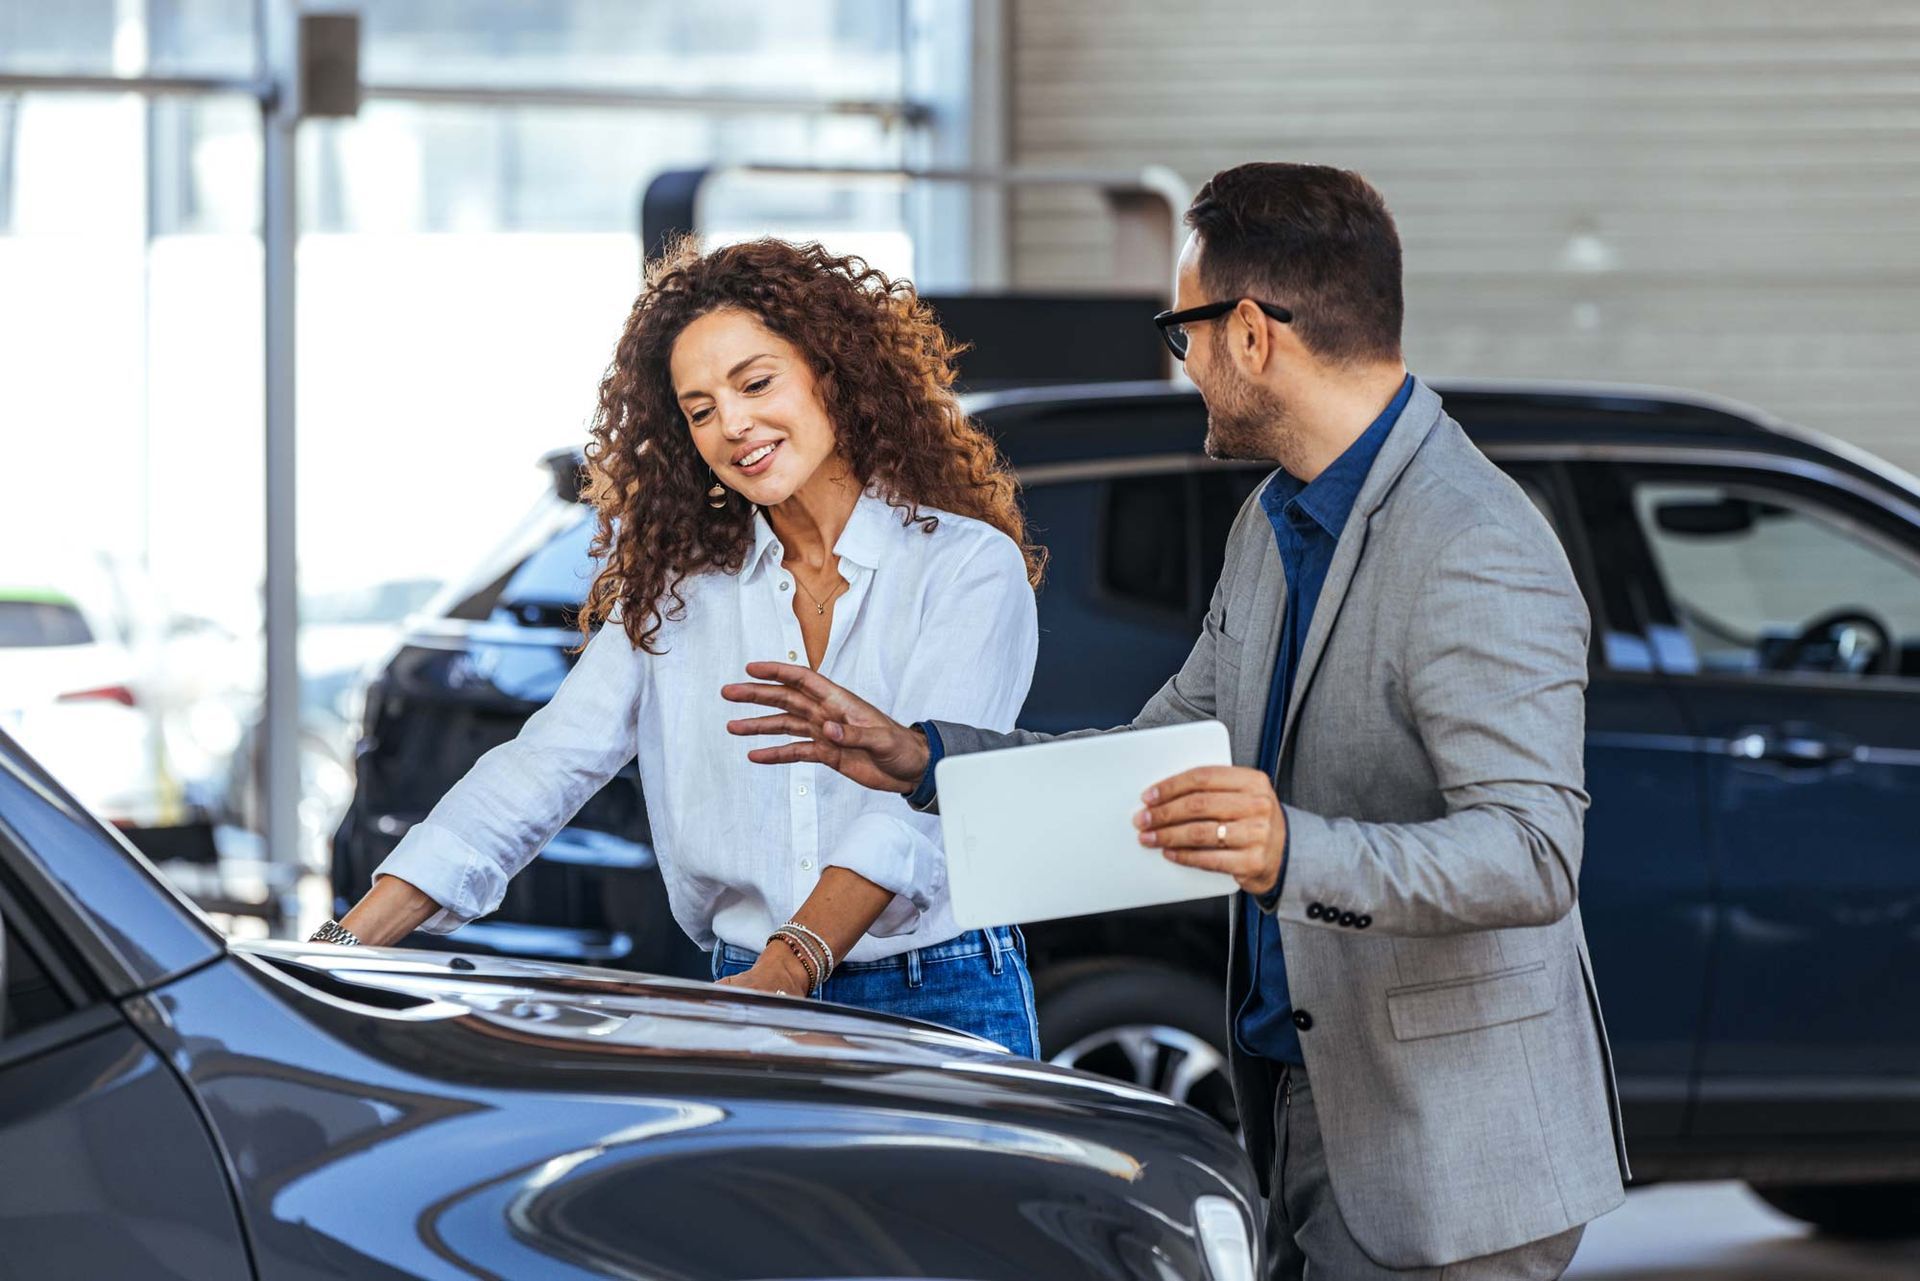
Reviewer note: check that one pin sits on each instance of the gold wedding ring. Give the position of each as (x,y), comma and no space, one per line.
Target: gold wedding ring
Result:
(1220,836)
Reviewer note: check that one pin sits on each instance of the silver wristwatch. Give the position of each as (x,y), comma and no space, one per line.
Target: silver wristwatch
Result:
(334,932)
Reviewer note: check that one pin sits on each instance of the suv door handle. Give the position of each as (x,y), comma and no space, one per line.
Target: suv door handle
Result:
(1789,749)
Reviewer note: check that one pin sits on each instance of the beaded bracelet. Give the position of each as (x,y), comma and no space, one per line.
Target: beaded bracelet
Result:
(830,963)
(807,962)
(822,965)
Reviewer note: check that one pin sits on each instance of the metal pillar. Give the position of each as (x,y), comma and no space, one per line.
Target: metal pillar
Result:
(279,232)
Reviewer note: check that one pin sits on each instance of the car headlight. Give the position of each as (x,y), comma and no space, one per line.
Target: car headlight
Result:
(1224,1241)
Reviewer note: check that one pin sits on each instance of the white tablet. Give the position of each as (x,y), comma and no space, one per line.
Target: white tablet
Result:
(1035,833)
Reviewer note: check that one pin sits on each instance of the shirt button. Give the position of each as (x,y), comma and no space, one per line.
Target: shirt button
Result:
(806,865)
(801,790)
(783,584)
(792,654)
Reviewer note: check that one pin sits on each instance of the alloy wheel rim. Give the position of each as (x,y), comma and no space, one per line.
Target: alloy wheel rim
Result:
(1166,1060)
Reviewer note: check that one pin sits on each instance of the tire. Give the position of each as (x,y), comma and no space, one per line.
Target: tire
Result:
(1146,1024)
(1860,1211)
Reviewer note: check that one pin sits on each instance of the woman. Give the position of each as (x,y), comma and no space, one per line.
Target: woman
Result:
(781,471)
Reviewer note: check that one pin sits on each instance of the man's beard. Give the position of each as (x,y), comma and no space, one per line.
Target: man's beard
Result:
(1245,421)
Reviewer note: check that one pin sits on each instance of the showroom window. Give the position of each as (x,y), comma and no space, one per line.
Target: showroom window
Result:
(469,248)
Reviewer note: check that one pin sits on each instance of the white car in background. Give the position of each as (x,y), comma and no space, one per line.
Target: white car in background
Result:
(76,665)
(134,709)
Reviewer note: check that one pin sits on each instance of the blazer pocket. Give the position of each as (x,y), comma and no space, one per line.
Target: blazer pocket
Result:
(1462,1005)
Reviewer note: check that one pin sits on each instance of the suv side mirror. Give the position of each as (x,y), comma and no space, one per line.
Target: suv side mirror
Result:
(1709,519)
(568,468)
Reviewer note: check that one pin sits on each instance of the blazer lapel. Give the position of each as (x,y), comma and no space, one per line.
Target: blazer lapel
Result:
(1416,423)
(1261,648)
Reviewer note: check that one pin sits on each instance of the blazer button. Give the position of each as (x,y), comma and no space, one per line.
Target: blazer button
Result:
(1302,1020)
(1363,922)
(1349,920)
(1315,911)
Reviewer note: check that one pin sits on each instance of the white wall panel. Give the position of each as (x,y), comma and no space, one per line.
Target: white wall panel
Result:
(1713,194)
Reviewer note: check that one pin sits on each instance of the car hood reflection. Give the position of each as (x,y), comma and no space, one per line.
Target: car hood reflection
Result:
(637,1017)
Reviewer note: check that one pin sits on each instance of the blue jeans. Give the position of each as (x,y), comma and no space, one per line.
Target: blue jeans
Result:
(977,983)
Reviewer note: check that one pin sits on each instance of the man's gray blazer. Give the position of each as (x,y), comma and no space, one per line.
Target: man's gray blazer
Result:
(1431,772)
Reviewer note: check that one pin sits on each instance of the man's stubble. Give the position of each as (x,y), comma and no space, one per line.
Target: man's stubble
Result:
(1245,421)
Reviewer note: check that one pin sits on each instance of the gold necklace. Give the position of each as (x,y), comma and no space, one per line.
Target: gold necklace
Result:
(819,606)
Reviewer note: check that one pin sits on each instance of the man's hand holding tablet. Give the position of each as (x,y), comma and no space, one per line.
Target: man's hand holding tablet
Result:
(1221,818)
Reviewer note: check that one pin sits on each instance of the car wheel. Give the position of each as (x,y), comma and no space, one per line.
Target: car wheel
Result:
(1146,1024)
(1863,1211)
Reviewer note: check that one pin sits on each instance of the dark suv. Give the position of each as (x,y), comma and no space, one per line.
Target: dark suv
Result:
(1752,876)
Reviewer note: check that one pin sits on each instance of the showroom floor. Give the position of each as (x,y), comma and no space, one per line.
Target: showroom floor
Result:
(1721,1232)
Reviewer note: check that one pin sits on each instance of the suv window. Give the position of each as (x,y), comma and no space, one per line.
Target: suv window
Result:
(1164,537)
(1147,542)
(31,997)
(1766,579)
(34,624)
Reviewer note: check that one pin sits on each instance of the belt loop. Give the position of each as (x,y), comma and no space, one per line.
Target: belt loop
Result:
(994,961)
(913,968)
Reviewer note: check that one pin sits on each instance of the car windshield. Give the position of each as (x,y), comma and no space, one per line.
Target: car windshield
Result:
(544,588)
(39,622)
(557,574)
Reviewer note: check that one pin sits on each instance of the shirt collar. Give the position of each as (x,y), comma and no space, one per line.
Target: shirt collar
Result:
(863,542)
(1329,499)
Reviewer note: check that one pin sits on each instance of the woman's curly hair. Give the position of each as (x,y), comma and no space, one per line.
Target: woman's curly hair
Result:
(882,367)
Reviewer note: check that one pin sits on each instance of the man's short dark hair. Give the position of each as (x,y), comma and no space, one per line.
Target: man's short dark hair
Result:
(1316,240)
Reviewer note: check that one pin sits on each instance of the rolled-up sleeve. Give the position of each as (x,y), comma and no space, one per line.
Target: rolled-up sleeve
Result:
(506,808)
(972,662)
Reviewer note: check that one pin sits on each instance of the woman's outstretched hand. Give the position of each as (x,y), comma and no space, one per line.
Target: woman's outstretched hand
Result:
(836,729)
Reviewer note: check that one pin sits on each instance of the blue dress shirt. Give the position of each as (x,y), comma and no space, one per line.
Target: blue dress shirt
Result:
(1307,520)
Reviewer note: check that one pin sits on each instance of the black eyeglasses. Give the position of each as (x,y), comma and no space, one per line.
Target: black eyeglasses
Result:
(1173,324)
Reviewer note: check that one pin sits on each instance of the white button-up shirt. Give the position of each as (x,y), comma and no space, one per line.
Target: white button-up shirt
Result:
(932,626)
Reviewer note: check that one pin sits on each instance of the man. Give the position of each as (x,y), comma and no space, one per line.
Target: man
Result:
(1399,653)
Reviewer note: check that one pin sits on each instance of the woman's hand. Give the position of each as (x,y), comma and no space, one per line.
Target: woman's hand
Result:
(391,910)
(836,729)
(778,971)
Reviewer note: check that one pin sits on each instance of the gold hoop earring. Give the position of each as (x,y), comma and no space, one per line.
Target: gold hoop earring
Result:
(717,496)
